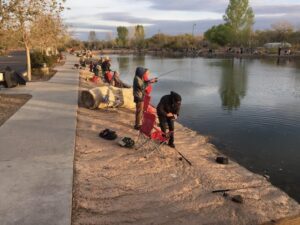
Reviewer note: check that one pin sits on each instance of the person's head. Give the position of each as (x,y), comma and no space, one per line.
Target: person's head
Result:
(176,98)
(139,72)
(107,58)
(146,74)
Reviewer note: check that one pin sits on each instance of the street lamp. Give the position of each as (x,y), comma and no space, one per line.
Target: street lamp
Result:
(193,29)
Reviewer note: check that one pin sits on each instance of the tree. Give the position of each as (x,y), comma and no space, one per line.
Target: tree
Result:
(23,13)
(221,34)
(47,31)
(283,30)
(4,24)
(139,35)
(92,39)
(240,17)
(122,36)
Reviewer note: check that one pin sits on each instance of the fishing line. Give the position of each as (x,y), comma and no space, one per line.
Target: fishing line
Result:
(166,73)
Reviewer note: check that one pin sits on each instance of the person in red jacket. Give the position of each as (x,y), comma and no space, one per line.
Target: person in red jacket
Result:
(146,75)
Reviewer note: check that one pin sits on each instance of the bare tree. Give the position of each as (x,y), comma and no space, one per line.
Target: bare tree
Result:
(23,13)
(47,31)
(92,39)
(283,30)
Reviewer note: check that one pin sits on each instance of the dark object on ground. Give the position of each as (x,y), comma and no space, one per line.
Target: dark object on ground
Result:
(76,65)
(12,78)
(172,145)
(237,199)
(126,142)
(137,127)
(222,160)
(108,134)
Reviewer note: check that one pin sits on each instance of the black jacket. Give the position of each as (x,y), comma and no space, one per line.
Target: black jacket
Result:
(105,66)
(168,104)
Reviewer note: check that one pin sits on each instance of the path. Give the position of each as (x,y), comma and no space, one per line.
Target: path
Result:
(36,153)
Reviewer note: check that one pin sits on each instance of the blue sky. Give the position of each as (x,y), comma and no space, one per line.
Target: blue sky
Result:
(168,16)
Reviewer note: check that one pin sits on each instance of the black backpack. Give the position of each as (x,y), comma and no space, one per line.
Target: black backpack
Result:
(108,134)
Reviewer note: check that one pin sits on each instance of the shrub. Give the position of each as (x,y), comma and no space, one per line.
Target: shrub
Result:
(38,59)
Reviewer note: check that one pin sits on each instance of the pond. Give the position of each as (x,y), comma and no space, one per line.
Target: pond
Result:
(250,107)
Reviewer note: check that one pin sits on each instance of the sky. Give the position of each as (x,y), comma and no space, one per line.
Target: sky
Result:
(167,16)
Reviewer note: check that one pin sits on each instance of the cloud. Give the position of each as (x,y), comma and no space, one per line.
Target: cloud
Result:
(170,16)
(277,9)
(191,5)
(124,16)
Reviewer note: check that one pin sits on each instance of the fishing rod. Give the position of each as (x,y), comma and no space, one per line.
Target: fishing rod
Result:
(188,161)
(166,73)
(237,189)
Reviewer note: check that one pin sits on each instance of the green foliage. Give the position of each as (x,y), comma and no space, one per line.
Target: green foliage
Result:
(221,34)
(240,17)
(122,36)
(139,35)
(176,43)
(38,59)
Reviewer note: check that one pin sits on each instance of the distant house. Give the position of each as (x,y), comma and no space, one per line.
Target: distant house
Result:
(278,45)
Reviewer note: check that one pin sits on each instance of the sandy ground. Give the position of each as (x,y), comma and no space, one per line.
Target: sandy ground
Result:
(9,104)
(115,185)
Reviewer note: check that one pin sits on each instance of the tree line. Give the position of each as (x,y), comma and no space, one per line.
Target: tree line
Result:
(236,31)
(31,24)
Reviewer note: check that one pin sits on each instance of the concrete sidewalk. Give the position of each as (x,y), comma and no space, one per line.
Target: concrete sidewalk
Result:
(36,153)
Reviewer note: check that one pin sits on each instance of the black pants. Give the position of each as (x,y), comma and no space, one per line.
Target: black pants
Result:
(163,121)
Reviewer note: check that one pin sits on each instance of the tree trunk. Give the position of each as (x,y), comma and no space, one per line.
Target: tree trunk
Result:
(28,63)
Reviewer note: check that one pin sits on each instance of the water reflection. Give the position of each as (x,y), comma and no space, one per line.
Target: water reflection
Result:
(233,83)
(139,60)
(123,63)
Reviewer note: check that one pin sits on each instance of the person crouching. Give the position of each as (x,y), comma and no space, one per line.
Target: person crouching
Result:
(167,111)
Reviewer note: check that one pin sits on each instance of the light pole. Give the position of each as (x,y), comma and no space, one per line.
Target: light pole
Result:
(193,29)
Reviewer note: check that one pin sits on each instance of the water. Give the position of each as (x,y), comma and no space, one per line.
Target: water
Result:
(251,108)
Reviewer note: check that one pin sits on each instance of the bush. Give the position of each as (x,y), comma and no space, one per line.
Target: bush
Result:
(38,59)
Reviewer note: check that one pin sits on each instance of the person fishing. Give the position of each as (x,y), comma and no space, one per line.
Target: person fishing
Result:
(117,82)
(168,111)
(139,86)
(148,89)
(105,66)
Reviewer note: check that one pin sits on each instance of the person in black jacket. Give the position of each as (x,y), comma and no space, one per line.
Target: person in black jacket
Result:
(167,111)
(105,66)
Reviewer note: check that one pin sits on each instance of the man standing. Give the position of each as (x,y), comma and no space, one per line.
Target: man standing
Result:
(139,86)
(167,111)
(105,66)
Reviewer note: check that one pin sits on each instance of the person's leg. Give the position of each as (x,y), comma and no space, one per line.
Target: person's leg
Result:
(138,114)
(162,123)
(171,130)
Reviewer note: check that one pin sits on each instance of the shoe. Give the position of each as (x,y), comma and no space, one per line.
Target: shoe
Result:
(108,134)
(171,145)
(137,127)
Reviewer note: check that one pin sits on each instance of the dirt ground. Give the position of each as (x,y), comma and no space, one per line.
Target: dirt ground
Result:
(115,185)
(9,104)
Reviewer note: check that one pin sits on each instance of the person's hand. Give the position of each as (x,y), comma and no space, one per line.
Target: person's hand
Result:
(175,116)
(170,115)
(154,80)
